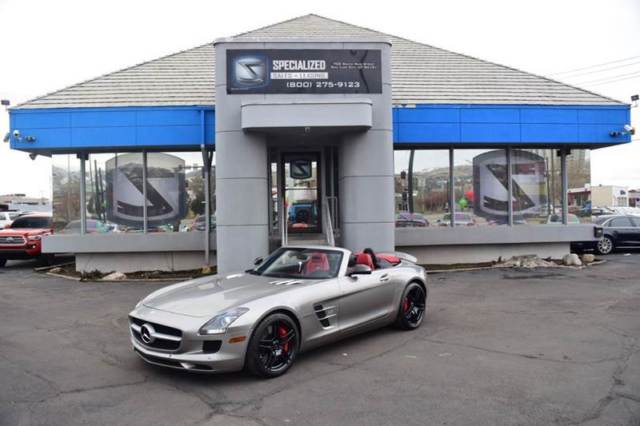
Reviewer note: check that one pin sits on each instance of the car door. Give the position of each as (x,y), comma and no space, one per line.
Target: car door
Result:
(635,232)
(366,299)
(622,230)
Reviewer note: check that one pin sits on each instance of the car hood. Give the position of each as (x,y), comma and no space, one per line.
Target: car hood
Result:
(24,232)
(208,296)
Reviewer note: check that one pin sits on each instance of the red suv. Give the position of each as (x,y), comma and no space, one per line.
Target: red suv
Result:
(23,238)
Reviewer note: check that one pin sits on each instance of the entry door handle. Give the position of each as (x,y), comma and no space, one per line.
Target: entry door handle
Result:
(384,278)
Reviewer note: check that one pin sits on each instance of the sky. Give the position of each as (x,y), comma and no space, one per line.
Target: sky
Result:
(48,45)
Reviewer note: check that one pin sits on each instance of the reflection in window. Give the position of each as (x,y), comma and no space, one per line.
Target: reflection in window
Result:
(114,193)
(65,180)
(480,187)
(430,183)
(537,188)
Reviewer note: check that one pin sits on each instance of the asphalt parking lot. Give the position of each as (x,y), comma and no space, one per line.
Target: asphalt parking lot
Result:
(499,347)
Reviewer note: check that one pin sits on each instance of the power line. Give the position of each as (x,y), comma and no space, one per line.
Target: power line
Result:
(600,70)
(630,74)
(596,65)
(612,79)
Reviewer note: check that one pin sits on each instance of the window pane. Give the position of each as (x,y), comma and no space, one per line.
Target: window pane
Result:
(532,179)
(537,188)
(175,193)
(176,196)
(401,170)
(113,184)
(65,172)
(579,177)
(480,187)
(31,222)
(620,222)
(430,188)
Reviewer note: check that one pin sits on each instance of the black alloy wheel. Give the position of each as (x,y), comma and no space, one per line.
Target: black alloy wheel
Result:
(273,346)
(3,262)
(412,307)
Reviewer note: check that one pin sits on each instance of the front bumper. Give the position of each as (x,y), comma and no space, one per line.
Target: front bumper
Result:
(190,355)
(29,250)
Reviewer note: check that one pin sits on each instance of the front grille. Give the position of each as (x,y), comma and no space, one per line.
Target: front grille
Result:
(164,338)
(12,240)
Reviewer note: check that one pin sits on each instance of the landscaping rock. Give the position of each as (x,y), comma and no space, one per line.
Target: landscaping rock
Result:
(588,258)
(115,276)
(528,261)
(571,259)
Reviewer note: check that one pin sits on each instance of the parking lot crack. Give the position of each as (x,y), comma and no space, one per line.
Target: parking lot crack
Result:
(523,355)
(628,350)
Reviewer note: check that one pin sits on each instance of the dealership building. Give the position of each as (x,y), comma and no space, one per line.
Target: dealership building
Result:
(314,131)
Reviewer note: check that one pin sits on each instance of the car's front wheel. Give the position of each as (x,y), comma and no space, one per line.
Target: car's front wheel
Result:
(3,262)
(605,245)
(273,346)
(412,307)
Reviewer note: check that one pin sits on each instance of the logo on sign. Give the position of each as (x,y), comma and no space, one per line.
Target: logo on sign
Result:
(491,187)
(165,192)
(250,71)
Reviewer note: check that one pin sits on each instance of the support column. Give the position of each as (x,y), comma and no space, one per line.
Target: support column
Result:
(452,190)
(83,194)
(565,186)
(242,231)
(145,215)
(366,191)
(509,186)
(206,176)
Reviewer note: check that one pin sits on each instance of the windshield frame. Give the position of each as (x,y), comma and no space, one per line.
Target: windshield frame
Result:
(269,260)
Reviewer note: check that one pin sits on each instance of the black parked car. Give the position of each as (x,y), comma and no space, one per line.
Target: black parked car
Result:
(618,231)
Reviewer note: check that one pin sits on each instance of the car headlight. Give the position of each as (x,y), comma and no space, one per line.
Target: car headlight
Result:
(219,323)
(34,237)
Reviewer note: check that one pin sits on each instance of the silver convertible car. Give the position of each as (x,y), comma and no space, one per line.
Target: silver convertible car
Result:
(291,301)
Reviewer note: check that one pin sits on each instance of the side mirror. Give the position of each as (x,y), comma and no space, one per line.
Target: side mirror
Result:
(257,261)
(7,226)
(360,270)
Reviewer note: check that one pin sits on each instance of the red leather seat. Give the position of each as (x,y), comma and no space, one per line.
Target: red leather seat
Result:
(317,262)
(393,259)
(365,259)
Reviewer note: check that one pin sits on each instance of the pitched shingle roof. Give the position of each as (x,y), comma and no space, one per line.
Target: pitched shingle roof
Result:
(421,74)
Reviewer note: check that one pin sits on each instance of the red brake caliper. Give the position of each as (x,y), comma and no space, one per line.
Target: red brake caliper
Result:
(282,332)
(405,304)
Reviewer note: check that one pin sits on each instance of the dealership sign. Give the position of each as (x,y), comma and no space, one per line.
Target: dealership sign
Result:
(490,184)
(165,189)
(274,71)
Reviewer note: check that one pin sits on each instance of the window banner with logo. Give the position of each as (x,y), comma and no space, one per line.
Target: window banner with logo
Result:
(275,71)
(166,198)
(490,187)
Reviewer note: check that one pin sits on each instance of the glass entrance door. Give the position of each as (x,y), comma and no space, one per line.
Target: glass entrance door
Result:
(302,192)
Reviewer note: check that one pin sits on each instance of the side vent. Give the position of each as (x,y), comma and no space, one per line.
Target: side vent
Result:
(326,315)
(285,282)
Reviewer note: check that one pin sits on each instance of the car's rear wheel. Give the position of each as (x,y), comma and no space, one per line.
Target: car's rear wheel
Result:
(412,307)
(273,346)
(3,262)
(604,245)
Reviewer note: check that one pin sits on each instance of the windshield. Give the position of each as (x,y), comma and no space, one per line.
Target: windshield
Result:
(32,222)
(300,263)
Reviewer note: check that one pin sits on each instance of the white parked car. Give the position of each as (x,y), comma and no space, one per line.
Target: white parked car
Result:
(6,218)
